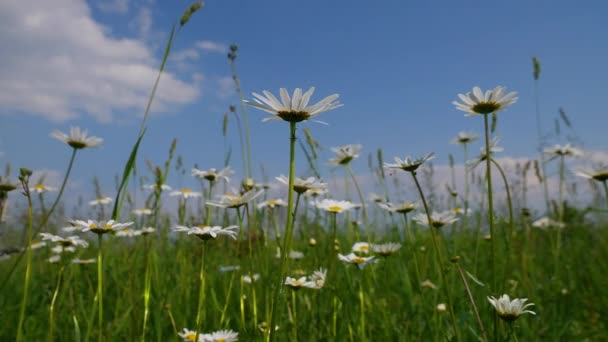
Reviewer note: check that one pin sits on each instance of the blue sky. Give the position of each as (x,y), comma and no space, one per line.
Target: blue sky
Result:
(397,66)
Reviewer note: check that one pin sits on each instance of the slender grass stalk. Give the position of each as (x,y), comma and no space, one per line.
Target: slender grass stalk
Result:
(24,178)
(100,286)
(54,301)
(439,256)
(288,232)
(208,208)
(509,235)
(560,218)
(147,288)
(294,310)
(466,186)
(201,292)
(471,300)
(237,83)
(412,243)
(364,210)
(46,217)
(606,191)
(363,332)
(539,133)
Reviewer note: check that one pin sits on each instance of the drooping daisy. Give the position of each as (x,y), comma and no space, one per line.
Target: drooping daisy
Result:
(301,185)
(438,219)
(142,212)
(493,101)
(294,108)
(272,203)
(185,193)
(599,174)
(508,309)
(236,201)
(41,188)
(334,206)
(464,138)
(361,247)
(408,164)
(401,208)
(345,154)
(354,259)
(65,241)
(386,249)
(318,278)
(212,174)
(101,227)
(77,139)
(100,201)
(208,233)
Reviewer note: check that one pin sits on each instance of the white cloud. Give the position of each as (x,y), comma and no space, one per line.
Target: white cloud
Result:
(113,6)
(225,87)
(142,23)
(184,55)
(59,63)
(209,46)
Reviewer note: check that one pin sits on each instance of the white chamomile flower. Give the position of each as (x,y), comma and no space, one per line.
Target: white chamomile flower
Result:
(250,278)
(354,259)
(334,206)
(185,193)
(142,212)
(464,138)
(77,139)
(386,249)
(361,247)
(401,208)
(508,309)
(296,284)
(41,188)
(492,101)
(101,227)
(302,185)
(212,174)
(409,164)
(208,233)
(65,241)
(438,220)
(294,108)
(236,201)
(100,201)
(345,154)
(272,203)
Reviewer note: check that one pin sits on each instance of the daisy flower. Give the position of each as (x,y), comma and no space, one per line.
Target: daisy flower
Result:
(429,284)
(37,245)
(236,201)
(361,247)
(294,108)
(272,203)
(563,151)
(334,206)
(546,222)
(494,148)
(77,139)
(142,212)
(386,249)
(401,208)
(185,193)
(60,249)
(128,232)
(460,211)
(408,164)
(83,261)
(438,220)
(190,335)
(318,278)
(301,185)
(208,232)
(296,284)
(41,188)
(229,268)
(163,187)
(100,201)
(147,230)
(250,278)
(101,227)
(508,309)
(345,154)
(352,258)
(464,138)
(65,241)
(295,255)
(493,101)
(212,174)
(375,198)
(600,174)
(222,336)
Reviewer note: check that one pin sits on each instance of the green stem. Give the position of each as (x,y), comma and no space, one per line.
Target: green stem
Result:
(365,218)
(606,191)
(490,201)
(472,301)
(207,207)
(511,218)
(147,288)
(53,301)
(288,231)
(245,117)
(100,286)
(46,218)
(540,146)
(28,267)
(466,188)
(294,327)
(362,310)
(201,292)
(439,256)
(414,250)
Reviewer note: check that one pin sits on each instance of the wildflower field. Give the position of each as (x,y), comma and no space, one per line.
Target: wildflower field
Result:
(289,259)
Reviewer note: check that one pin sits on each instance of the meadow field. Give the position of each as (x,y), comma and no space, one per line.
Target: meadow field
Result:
(497,254)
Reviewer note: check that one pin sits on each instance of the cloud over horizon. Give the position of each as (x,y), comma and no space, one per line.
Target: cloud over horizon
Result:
(59,64)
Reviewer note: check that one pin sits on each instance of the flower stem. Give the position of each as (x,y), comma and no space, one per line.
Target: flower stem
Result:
(413,249)
(466,187)
(472,300)
(509,235)
(100,286)
(439,256)
(364,210)
(201,292)
(288,231)
(606,191)
(294,327)
(147,288)
(28,267)
(490,202)
(53,301)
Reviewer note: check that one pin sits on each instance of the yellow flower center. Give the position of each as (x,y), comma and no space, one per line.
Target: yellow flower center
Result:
(486,107)
(358,260)
(39,187)
(185,191)
(457,210)
(293,116)
(335,208)
(190,337)
(272,202)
